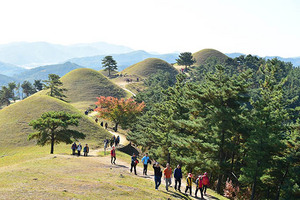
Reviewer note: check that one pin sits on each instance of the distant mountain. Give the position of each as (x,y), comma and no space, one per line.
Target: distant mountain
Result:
(124,60)
(294,60)
(32,54)
(4,80)
(9,69)
(43,71)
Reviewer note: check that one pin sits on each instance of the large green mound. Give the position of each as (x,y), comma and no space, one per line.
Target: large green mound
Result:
(202,56)
(84,85)
(14,119)
(148,67)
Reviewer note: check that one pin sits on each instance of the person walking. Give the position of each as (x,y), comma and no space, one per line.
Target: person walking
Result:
(134,162)
(105,145)
(189,182)
(178,177)
(113,155)
(79,148)
(86,150)
(106,125)
(205,182)
(157,175)
(74,147)
(199,186)
(112,141)
(167,176)
(146,160)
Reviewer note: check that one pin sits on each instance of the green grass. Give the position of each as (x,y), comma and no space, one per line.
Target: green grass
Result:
(204,54)
(31,173)
(14,120)
(148,67)
(84,85)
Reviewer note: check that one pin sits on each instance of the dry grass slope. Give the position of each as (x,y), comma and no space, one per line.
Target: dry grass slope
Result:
(148,67)
(204,54)
(14,119)
(84,85)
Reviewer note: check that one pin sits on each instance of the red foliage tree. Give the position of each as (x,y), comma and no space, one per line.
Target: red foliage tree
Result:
(120,111)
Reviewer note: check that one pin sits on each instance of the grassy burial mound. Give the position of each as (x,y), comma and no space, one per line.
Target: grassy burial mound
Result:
(202,56)
(84,85)
(148,67)
(14,119)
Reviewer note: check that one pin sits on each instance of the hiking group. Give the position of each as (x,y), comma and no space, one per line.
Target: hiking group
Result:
(202,181)
(78,148)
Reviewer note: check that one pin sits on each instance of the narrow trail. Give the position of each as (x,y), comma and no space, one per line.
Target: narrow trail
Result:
(125,166)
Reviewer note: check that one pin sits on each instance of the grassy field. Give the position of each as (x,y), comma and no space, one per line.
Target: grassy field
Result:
(136,87)
(14,120)
(31,173)
(148,67)
(204,54)
(84,85)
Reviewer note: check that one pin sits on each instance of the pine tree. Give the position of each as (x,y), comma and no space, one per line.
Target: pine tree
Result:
(109,64)
(54,85)
(186,59)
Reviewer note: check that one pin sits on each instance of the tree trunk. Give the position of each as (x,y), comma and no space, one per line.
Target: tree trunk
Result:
(221,162)
(281,182)
(52,143)
(254,183)
(109,72)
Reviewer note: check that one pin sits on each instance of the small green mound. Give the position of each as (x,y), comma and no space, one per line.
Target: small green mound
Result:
(14,120)
(149,66)
(202,56)
(84,85)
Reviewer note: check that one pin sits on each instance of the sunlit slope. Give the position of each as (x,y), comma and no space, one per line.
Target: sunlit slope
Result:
(202,56)
(84,85)
(148,67)
(14,119)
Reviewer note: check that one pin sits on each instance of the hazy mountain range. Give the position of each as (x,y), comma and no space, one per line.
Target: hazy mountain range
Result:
(45,56)
(123,60)
(33,54)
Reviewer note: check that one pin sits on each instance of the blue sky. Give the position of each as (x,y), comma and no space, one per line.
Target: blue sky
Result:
(260,27)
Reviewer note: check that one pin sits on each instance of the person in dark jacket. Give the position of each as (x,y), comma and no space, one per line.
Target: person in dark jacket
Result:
(74,147)
(157,175)
(199,186)
(178,177)
(134,162)
(86,150)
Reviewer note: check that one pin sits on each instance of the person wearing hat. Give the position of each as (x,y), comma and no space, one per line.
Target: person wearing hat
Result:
(86,150)
(199,186)
(113,155)
(205,182)
(178,177)
(168,175)
(157,175)
(79,148)
(189,182)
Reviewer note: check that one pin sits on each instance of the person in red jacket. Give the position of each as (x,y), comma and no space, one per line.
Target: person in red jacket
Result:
(205,182)
(113,155)
(199,186)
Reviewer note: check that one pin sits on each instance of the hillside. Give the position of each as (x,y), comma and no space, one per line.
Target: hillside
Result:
(204,54)
(9,69)
(4,80)
(32,54)
(43,71)
(124,60)
(148,67)
(84,85)
(14,119)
